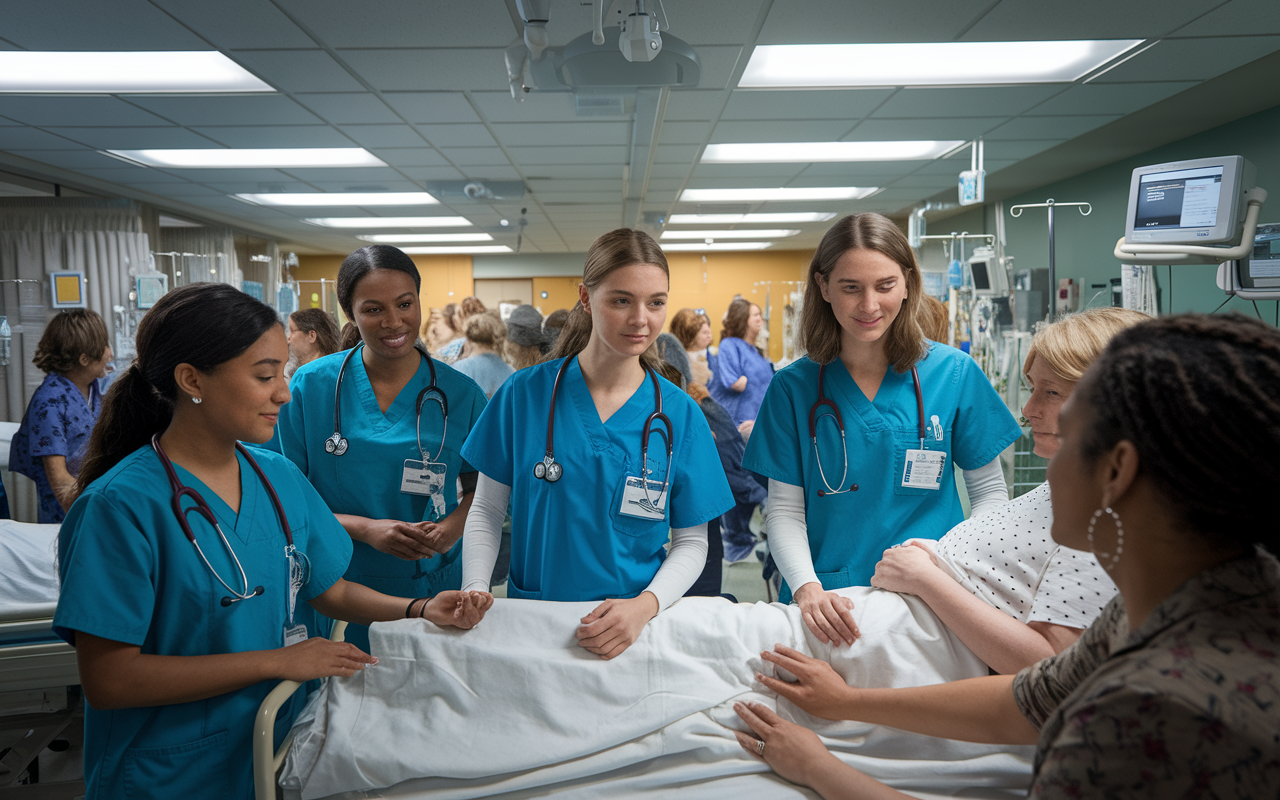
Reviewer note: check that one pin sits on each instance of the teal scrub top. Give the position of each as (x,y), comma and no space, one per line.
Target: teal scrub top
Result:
(130,575)
(365,481)
(568,539)
(848,533)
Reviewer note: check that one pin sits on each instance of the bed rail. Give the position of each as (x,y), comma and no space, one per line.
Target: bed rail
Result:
(266,763)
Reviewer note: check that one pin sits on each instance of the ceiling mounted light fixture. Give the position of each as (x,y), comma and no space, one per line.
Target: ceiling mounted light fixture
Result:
(477,250)
(840,66)
(806,152)
(779,195)
(730,234)
(251,158)
(322,199)
(779,218)
(691,247)
(390,222)
(141,72)
(401,238)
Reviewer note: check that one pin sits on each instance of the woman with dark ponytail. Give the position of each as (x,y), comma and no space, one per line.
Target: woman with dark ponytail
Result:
(587,414)
(177,649)
(1167,472)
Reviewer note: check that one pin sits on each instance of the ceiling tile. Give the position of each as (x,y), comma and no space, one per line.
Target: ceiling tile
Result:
(458,135)
(384,185)
(231,24)
(1014,20)
(693,104)
(24,138)
(424,70)
(411,156)
(133,138)
(70,159)
(834,22)
(432,106)
(1048,127)
(1018,149)
(875,130)
(526,156)
(495,172)
(536,107)
(262,109)
(275,136)
(685,132)
(1108,98)
(349,108)
(223,186)
(384,135)
(405,23)
(834,104)
(935,183)
(475,156)
(875,172)
(546,134)
(74,110)
(577,185)
(345,175)
(93,25)
(432,173)
(781,130)
(1254,16)
(231,175)
(676,153)
(668,170)
(1192,59)
(298,70)
(180,189)
(579,197)
(609,170)
(1001,101)
(774,173)
(717,66)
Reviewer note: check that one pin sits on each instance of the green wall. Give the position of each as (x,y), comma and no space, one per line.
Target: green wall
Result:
(1085,244)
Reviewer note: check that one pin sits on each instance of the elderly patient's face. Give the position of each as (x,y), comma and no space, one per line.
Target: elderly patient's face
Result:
(1048,392)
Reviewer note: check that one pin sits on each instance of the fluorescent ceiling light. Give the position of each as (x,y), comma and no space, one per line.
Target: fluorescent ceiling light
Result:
(766,218)
(804,152)
(777,195)
(390,222)
(341,199)
(124,73)
(248,158)
(829,66)
(396,238)
(740,234)
(426,251)
(691,247)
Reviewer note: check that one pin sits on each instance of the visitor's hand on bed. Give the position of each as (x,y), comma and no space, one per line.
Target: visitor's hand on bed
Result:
(320,658)
(614,625)
(401,539)
(458,609)
(827,614)
(818,688)
(791,750)
(906,569)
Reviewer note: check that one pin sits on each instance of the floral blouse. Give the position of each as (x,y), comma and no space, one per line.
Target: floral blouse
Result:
(1188,705)
(58,422)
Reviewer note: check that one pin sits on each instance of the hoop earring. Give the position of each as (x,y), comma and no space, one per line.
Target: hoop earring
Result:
(1114,559)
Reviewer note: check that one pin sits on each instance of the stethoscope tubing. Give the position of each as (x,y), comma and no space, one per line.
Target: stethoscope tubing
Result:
(337,444)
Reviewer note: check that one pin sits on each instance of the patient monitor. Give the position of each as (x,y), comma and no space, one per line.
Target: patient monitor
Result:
(1257,275)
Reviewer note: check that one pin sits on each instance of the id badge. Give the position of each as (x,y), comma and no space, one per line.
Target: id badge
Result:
(423,478)
(635,504)
(923,469)
(294,635)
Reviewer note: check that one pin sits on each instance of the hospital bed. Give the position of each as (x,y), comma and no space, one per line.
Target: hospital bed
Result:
(513,709)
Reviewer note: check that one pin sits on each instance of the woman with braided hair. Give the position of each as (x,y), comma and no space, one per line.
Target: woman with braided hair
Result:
(1167,471)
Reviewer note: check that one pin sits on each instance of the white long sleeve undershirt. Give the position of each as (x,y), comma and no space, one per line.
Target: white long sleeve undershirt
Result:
(789,533)
(482,537)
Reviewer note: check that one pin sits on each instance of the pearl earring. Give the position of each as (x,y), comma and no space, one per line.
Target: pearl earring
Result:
(1114,559)
(196,400)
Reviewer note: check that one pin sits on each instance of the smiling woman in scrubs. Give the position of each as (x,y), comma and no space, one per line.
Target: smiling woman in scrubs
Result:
(405,531)
(597,531)
(177,646)
(880,471)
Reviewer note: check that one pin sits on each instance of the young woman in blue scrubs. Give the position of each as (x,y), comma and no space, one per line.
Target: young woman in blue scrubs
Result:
(405,530)
(596,531)
(880,471)
(177,645)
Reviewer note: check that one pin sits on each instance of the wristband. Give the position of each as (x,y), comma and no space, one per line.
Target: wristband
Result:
(408,611)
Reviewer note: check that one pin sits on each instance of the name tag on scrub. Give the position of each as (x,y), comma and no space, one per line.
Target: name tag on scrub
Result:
(923,469)
(636,504)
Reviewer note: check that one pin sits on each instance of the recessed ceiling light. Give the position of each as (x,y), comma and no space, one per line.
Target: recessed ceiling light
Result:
(765,218)
(396,238)
(390,222)
(741,234)
(341,199)
(124,73)
(777,195)
(692,247)
(828,66)
(249,158)
(479,249)
(801,152)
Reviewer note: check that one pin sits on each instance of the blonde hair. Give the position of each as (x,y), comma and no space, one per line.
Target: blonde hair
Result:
(623,247)
(486,330)
(905,342)
(520,356)
(934,318)
(1070,344)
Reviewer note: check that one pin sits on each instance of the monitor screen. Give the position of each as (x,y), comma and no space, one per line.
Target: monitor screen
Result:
(1195,202)
(981,279)
(1186,198)
(1262,269)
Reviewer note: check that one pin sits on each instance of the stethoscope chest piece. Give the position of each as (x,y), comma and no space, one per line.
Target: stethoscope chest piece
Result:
(548,469)
(336,444)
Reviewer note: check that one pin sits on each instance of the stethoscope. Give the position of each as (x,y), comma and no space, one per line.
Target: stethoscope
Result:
(550,470)
(817,412)
(299,564)
(337,444)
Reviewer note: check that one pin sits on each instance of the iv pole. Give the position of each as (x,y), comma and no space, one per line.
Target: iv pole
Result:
(1016,211)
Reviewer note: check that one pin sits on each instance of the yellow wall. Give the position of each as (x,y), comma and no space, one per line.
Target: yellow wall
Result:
(697,281)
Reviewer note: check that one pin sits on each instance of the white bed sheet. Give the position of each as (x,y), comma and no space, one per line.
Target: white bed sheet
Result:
(516,707)
(28,571)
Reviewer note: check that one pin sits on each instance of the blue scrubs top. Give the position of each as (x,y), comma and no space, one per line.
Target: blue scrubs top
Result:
(366,480)
(57,422)
(130,575)
(568,539)
(735,360)
(848,533)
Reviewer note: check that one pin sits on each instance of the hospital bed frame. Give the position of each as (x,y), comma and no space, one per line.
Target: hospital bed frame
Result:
(266,762)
